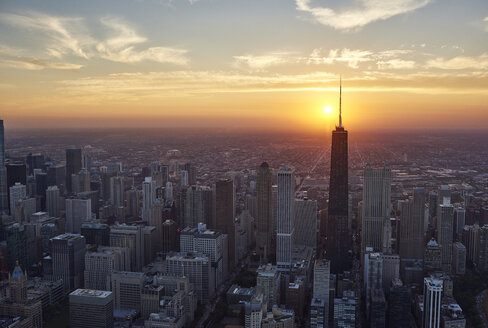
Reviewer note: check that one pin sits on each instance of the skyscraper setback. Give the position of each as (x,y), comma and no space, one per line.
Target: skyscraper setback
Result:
(338,211)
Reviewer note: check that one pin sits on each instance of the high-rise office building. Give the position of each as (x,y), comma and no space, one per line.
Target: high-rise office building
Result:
(17,247)
(100,264)
(376,206)
(204,241)
(53,201)
(132,237)
(127,290)
(268,284)
(84,179)
(225,215)
(73,166)
(345,311)
(183,178)
(192,173)
(90,308)
(306,223)
(399,305)
(78,210)
(318,317)
(285,224)
(96,233)
(459,222)
(197,206)
(16,172)
(4,206)
(198,268)
(264,218)
(377,313)
(458,258)
(117,191)
(148,197)
(169,237)
(16,192)
(412,238)
(432,256)
(321,284)
(445,222)
(68,260)
(431,317)
(338,243)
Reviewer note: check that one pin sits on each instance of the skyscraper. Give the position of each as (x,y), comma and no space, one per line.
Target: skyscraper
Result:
(445,222)
(148,197)
(225,214)
(78,210)
(91,308)
(264,219)
(432,302)
(376,206)
(68,258)
(3,174)
(321,283)
(412,226)
(53,201)
(17,192)
(305,233)
(338,212)
(73,165)
(285,228)
(132,238)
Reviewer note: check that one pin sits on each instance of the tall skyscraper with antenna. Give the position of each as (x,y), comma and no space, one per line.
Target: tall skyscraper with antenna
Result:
(338,234)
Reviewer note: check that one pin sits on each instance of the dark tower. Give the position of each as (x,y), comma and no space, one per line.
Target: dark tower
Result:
(73,165)
(338,222)
(264,220)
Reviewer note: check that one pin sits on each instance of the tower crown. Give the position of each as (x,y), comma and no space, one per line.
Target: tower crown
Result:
(17,273)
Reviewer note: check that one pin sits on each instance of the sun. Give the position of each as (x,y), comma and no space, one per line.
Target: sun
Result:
(327,109)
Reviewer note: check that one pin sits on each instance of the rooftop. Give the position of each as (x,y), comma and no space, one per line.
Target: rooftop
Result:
(91,293)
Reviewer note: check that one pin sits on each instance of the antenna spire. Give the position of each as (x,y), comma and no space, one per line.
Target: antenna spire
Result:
(340,101)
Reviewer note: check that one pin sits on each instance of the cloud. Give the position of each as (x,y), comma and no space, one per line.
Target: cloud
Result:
(486,21)
(18,58)
(67,35)
(261,62)
(120,47)
(460,62)
(70,36)
(365,12)
(396,64)
(387,59)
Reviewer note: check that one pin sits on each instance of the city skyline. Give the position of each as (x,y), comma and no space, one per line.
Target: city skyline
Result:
(271,65)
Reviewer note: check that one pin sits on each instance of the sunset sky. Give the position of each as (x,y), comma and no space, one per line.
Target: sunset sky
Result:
(271,64)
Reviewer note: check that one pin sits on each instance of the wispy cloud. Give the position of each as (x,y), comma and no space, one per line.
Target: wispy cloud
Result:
(486,23)
(120,47)
(65,34)
(361,14)
(260,62)
(19,58)
(396,64)
(70,36)
(388,59)
(460,62)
